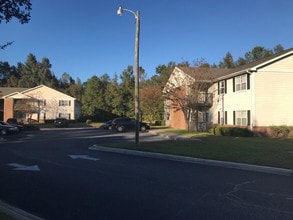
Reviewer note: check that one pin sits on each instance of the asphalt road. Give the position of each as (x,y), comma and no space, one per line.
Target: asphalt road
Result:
(53,174)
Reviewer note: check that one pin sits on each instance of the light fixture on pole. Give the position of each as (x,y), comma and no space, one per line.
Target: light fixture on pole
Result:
(136,67)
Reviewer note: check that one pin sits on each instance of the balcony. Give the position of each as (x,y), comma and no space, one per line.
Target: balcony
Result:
(205,100)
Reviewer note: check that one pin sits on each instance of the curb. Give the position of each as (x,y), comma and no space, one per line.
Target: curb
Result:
(17,213)
(234,165)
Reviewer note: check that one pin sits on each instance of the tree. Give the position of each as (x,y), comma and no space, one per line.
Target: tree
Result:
(19,9)
(257,53)
(278,48)
(241,61)
(114,97)
(29,73)
(151,104)
(163,72)
(127,91)
(76,90)
(227,62)
(93,101)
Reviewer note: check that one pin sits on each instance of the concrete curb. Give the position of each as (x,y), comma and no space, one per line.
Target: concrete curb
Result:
(242,166)
(16,213)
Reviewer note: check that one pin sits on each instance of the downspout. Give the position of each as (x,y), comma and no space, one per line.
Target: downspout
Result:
(252,99)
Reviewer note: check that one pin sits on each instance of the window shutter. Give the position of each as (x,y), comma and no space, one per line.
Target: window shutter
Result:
(59,102)
(248,117)
(69,102)
(218,87)
(248,81)
(219,118)
(234,117)
(226,117)
(225,86)
(233,84)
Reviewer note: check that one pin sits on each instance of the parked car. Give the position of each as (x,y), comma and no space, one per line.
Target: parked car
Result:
(14,121)
(107,125)
(126,124)
(7,129)
(17,126)
(61,123)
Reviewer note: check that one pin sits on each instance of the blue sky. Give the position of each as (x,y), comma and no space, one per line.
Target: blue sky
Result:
(86,38)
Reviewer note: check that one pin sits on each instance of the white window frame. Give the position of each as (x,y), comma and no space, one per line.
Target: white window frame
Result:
(64,115)
(241,118)
(64,102)
(241,83)
(222,87)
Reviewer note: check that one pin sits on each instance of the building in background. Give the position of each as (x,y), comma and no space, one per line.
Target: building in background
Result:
(37,104)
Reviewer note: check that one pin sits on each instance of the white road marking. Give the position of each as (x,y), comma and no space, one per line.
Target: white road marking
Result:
(86,157)
(24,167)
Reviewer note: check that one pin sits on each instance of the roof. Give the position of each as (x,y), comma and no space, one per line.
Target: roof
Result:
(4,91)
(216,74)
(209,72)
(254,66)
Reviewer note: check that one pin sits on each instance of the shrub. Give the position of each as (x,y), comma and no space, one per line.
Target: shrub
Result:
(88,121)
(231,131)
(31,127)
(279,131)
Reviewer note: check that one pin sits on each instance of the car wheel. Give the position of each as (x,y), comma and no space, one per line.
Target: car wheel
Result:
(110,128)
(143,128)
(120,128)
(3,132)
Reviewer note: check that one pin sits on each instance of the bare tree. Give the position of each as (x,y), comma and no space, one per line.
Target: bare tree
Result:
(188,93)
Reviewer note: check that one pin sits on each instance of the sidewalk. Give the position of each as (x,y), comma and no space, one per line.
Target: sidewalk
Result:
(16,213)
(171,136)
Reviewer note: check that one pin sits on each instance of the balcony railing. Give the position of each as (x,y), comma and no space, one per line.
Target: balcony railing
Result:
(205,100)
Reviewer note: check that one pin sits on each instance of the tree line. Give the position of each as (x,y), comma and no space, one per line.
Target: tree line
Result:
(103,97)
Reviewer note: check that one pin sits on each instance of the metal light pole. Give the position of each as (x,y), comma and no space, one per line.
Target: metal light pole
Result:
(136,67)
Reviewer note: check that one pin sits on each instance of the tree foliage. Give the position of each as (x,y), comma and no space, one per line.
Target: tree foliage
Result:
(151,99)
(104,98)
(255,54)
(227,62)
(19,9)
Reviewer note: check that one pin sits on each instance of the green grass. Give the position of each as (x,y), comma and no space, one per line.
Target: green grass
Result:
(3,216)
(252,150)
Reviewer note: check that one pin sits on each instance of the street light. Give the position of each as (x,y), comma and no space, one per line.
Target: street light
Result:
(136,66)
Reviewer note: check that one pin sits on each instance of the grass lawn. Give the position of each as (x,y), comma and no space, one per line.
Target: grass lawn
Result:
(252,150)
(3,216)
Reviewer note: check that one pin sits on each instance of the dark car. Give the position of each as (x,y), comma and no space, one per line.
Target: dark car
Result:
(61,123)
(14,121)
(7,129)
(127,124)
(107,125)
(17,126)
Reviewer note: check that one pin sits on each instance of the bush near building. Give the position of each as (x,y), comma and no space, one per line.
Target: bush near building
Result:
(231,131)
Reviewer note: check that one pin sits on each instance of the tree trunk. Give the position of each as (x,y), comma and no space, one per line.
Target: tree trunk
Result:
(193,121)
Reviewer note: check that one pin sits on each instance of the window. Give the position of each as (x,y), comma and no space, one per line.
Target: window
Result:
(222,117)
(42,102)
(242,118)
(241,82)
(64,115)
(64,102)
(222,86)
